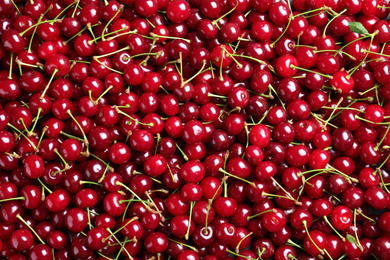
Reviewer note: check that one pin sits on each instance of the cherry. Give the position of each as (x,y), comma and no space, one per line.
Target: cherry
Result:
(21,239)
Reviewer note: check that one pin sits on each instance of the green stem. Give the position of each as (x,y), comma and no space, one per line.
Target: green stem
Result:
(335,230)
(326,26)
(307,70)
(119,229)
(10,199)
(282,34)
(104,65)
(110,21)
(32,230)
(48,84)
(180,243)
(236,177)
(308,234)
(185,157)
(10,66)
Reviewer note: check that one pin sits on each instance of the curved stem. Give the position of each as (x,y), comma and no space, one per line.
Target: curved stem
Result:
(32,230)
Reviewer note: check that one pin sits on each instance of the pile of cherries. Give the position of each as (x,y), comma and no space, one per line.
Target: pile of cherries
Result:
(208,129)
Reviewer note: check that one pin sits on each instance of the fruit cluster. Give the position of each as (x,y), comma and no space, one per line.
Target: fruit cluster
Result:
(207,129)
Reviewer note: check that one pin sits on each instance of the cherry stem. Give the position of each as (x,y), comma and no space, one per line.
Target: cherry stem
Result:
(81,129)
(119,229)
(71,136)
(114,52)
(333,196)
(38,23)
(349,179)
(75,8)
(55,173)
(215,22)
(11,65)
(331,114)
(89,219)
(189,221)
(277,196)
(112,18)
(326,26)
(185,157)
(150,23)
(381,177)
(180,61)
(247,137)
(384,162)
(288,194)
(371,122)
(32,230)
(24,125)
(220,65)
(128,204)
(324,8)
(239,243)
(62,159)
(316,174)
(133,119)
(216,96)
(368,90)
(249,57)
(210,202)
(41,137)
(307,70)
(156,37)
(105,92)
(48,84)
(356,235)
(335,230)
(16,7)
(382,139)
(322,121)
(139,55)
(308,234)
(180,243)
(343,47)
(26,64)
(276,93)
(154,205)
(338,51)
(14,154)
(120,34)
(260,253)
(135,195)
(28,139)
(157,143)
(289,241)
(284,31)
(196,74)
(117,240)
(310,171)
(345,108)
(122,247)
(237,254)
(292,257)
(365,57)
(236,177)
(365,216)
(106,164)
(170,172)
(30,133)
(15,198)
(104,65)
(90,182)
(76,35)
